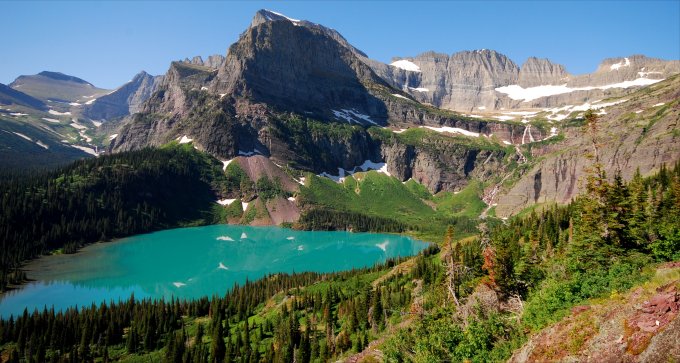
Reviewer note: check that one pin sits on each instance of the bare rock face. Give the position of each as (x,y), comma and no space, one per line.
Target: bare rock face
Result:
(467,81)
(440,166)
(300,67)
(462,81)
(126,100)
(214,61)
(636,134)
(538,72)
(617,70)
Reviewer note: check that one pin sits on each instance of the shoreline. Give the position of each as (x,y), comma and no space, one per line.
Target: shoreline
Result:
(30,266)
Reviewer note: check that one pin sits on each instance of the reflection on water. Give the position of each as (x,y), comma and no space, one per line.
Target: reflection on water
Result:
(194,262)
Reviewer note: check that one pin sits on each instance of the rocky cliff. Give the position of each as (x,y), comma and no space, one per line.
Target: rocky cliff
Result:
(214,61)
(639,133)
(298,93)
(441,164)
(485,80)
(300,67)
(538,72)
(126,100)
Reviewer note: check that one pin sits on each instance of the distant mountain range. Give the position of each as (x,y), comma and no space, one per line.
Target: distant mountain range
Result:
(301,95)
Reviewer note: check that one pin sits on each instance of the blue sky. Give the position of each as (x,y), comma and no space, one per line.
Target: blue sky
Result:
(106,43)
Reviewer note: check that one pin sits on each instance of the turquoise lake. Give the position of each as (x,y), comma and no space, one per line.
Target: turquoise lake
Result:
(194,262)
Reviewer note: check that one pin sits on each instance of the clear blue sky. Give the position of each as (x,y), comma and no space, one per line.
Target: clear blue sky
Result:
(106,43)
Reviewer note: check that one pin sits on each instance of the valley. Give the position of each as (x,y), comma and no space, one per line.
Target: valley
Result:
(296,200)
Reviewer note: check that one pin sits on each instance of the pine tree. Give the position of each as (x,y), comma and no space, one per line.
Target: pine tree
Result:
(217,347)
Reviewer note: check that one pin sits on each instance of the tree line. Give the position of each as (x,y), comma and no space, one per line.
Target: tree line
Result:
(103,198)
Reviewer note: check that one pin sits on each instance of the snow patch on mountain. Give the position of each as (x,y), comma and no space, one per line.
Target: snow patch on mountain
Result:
(86,149)
(517,92)
(623,63)
(226,201)
(561,113)
(22,136)
(57,113)
(453,130)
(281,15)
(406,65)
(366,166)
(78,126)
(419,89)
(352,116)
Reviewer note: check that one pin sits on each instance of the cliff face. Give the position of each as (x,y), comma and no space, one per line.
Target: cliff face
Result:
(300,68)
(538,72)
(485,80)
(298,93)
(126,100)
(444,166)
(214,61)
(636,134)
(462,81)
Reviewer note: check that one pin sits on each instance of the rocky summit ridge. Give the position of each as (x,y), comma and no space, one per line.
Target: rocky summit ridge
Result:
(485,80)
(299,94)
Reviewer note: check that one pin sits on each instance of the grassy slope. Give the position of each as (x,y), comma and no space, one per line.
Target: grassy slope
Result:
(377,194)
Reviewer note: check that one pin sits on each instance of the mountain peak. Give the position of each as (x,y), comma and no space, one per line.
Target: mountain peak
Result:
(264,15)
(63,77)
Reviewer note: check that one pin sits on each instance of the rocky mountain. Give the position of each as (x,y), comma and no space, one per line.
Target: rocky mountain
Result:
(27,144)
(214,61)
(485,80)
(457,82)
(9,96)
(126,100)
(300,95)
(638,133)
(271,64)
(540,71)
(57,87)
(271,98)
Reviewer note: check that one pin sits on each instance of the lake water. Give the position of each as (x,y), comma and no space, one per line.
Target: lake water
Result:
(194,262)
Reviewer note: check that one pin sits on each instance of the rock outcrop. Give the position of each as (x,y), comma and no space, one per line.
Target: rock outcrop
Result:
(539,72)
(445,166)
(126,100)
(470,80)
(640,326)
(214,61)
(644,139)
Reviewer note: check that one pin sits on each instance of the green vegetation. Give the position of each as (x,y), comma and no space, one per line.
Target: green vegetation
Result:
(305,317)
(378,196)
(305,138)
(605,242)
(433,140)
(20,155)
(473,297)
(102,198)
